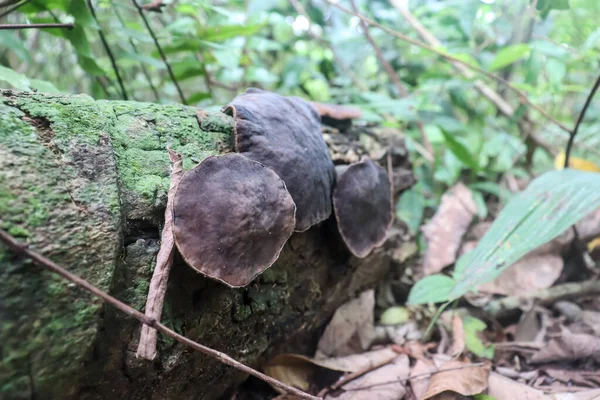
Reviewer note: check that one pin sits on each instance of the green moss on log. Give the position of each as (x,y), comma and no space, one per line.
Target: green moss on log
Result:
(70,169)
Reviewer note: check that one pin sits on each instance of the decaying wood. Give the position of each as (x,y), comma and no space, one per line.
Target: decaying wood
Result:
(85,183)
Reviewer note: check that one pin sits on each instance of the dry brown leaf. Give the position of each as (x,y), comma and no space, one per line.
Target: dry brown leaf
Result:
(358,362)
(292,369)
(419,377)
(502,388)
(351,330)
(458,377)
(592,320)
(589,227)
(530,329)
(458,337)
(445,230)
(532,272)
(385,383)
(164,261)
(569,347)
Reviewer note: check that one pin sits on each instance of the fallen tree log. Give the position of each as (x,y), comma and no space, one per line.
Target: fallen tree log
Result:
(84,182)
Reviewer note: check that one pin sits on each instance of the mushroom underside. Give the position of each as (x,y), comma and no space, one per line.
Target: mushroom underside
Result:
(362,206)
(231,218)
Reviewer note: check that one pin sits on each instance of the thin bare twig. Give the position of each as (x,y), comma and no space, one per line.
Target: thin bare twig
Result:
(588,101)
(135,50)
(5,13)
(42,261)
(36,26)
(164,261)
(522,95)
(160,51)
(395,80)
(108,50)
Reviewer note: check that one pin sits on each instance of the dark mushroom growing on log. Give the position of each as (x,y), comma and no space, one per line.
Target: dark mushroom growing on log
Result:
(231,218)
(337,116)
(284,133)
(362,205)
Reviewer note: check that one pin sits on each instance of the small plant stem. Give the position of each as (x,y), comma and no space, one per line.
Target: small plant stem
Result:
(160,51)
(108,50)
(135,50)
(588,101)
(36,26)
(44,262)
(16,6)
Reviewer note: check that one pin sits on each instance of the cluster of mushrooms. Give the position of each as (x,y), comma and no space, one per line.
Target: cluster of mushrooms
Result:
(232,214)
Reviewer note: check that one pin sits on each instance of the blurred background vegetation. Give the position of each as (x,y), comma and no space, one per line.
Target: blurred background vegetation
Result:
(213,50)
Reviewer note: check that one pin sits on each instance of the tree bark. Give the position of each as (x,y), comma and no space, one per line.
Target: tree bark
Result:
(84,182)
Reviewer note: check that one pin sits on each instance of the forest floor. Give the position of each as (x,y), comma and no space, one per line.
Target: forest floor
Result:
(531,333)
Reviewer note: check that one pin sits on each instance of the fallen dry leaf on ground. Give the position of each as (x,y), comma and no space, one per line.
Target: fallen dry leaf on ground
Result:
(500,388)
(385,383)
(420,375)
(458,337)
(458,377)
(351,330)
(297,370)
(292,369)
(569,347)
(358,362)
(532,272)
(445,230)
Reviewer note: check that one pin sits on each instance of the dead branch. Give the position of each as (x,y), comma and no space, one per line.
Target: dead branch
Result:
(44,262)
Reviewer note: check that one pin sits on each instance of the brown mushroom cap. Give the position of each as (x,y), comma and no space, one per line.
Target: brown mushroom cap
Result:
(231,218)
(337,112)
(284,133)
(363,206)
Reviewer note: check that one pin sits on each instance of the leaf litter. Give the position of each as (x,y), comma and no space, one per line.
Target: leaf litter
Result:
(539,350)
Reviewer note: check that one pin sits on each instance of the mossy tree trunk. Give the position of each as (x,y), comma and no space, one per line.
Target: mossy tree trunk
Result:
(84,182)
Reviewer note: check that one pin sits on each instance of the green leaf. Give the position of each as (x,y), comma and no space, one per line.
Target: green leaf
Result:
(460,151)
(13,78)
(545,6)
(9,40)
(550,205)
(197,97)
(431,289)
(223,32)
(473,327)
(482,210)
(556,71)
(410,208)
(394,316)
(79,10)
(509,55)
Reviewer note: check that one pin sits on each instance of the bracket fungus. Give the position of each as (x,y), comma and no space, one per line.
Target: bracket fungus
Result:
(231,218)
(284,133)
(362,205)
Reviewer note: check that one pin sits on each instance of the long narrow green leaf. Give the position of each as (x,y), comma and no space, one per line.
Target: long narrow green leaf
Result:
(549,206)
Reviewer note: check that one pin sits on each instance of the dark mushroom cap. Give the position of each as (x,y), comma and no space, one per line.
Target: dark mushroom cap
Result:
(337,112)
(284,133)
(231,218)
(363,206)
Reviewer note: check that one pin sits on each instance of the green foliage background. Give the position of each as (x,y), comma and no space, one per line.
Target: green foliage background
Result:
(550,49)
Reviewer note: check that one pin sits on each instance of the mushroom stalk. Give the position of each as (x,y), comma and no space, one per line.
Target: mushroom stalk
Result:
(164,261)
